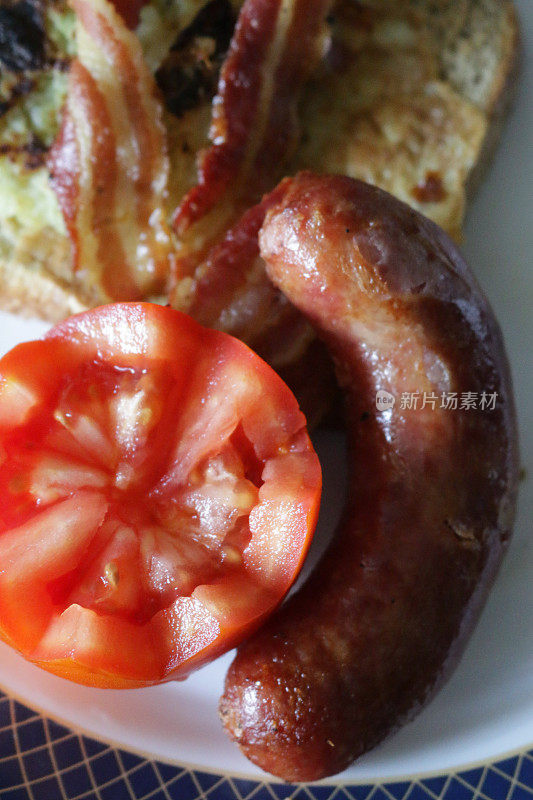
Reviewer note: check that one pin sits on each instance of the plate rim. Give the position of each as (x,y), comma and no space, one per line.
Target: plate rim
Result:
(266,778)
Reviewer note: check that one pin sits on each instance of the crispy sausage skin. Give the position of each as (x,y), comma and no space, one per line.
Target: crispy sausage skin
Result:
(386,613)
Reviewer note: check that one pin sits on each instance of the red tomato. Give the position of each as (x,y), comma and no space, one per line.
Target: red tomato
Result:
(158,493)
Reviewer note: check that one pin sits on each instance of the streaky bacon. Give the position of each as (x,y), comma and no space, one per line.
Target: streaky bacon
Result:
(225,273)
(109,165)
(220,278)
(231,292)
(254,127)
(130,10)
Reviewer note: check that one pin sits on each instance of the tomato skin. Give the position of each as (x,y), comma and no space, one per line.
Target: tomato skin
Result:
(158,495)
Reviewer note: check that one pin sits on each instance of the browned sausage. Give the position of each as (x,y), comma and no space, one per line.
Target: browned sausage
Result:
(383,618)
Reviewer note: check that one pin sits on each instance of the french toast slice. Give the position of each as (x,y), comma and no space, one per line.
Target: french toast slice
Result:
(183,43)
(410,95)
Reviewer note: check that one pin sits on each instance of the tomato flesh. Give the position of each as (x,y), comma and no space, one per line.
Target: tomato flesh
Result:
(158,493)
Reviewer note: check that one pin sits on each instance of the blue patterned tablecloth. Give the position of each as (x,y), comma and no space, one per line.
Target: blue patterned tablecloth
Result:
(42,760)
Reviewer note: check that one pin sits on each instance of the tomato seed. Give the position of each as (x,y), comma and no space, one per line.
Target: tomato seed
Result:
(195,476)
(145,416)
(60,417)
(231,555)
(111,574)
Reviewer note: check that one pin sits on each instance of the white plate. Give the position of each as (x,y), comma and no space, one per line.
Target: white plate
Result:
(486,709)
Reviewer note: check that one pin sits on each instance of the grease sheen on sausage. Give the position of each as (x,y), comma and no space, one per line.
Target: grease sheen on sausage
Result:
(430,505)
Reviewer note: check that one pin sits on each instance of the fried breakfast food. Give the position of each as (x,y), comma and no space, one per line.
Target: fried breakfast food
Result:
(410,97)
(383,618)
(109,165)
(381,104)
(254,129)
(182,42)
(134,137)
(220,278)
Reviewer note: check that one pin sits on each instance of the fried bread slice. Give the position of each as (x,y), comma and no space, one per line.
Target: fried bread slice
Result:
(183,42)
(410,95)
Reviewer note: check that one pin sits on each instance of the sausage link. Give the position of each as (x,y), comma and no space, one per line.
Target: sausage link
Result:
(386,613)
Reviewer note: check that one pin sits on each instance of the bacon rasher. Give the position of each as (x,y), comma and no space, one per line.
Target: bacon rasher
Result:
(221,280)
(130,10)
(254,128)
(230,292)
(109,165)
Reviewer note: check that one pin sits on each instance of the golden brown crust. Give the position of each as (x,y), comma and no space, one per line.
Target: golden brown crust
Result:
(412,98)
(383,618)
(420,131)
(31,292)
(502,99)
